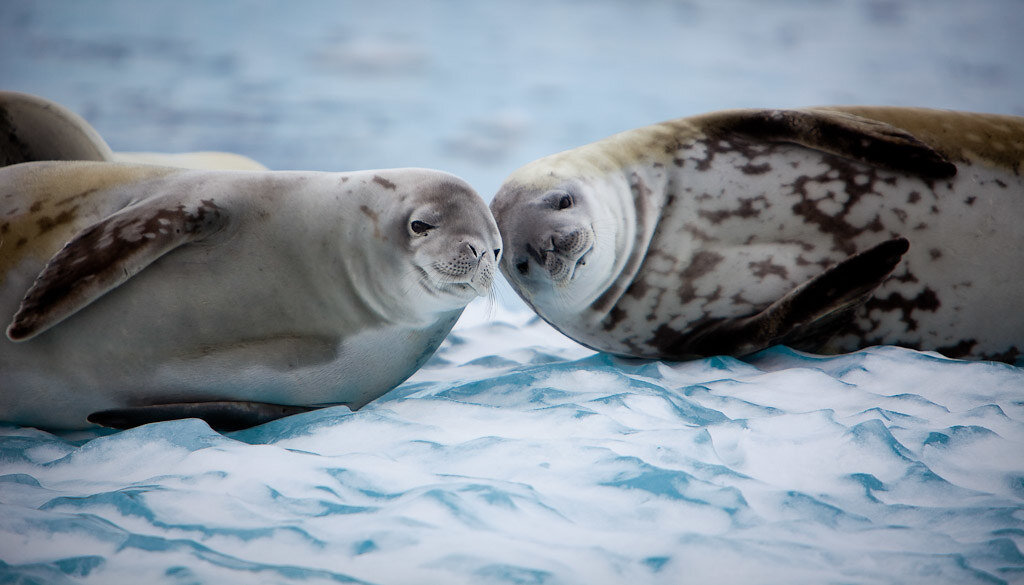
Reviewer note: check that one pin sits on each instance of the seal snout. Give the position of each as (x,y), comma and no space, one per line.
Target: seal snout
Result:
(560,253)
(471,266)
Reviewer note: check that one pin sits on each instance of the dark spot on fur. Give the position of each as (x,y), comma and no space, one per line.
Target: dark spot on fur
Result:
(638,188)
(67,200)
(35,207)
(615,316)
(703,263)
(970,200)
(935,253)
(765,268)
(745,210)
(752,169)
(48,223)
(913,197)
(384,182)
(926,300)
(1009,356)
(637,289)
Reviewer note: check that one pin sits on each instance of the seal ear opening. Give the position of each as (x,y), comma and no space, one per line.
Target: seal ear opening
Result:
(107,254)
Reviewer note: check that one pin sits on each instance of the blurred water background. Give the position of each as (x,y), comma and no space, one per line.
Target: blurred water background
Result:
(480,88)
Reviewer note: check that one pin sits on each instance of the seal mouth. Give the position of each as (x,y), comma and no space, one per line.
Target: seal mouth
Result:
(477,285)
(563,271)
(581,262)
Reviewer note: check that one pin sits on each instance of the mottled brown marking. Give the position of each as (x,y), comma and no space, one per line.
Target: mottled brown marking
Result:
(745,210)
(384,182)
(48,223)
(374,219)
(99,259)
(615,316)
(638,188)
(69,199)
(752,169)
(766,268)
(702,264)
(836,225)
(926,300)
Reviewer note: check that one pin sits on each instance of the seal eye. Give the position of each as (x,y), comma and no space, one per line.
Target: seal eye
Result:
(565,202)
(420,227)
(523,267)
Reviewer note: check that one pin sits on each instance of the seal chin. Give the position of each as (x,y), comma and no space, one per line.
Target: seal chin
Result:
(464,288)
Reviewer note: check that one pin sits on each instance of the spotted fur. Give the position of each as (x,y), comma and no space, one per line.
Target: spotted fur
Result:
(712,220)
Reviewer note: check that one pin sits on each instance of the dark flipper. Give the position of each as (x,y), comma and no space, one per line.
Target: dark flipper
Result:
(805,318)
(846,135)
(222,416)
(108,253)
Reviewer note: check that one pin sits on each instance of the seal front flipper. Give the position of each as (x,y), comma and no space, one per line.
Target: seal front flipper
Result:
(847,135)
(806,317)
(108,253)
(221,415)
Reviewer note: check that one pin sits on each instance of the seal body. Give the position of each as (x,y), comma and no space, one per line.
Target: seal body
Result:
(208,292)
(736,230)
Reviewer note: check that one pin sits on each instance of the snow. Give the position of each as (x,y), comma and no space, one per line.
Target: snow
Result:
(525,459)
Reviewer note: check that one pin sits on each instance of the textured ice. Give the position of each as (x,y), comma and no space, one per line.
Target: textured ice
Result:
(525,459)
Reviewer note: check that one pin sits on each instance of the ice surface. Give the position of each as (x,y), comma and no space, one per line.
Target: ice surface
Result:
(525,459)
(516,456)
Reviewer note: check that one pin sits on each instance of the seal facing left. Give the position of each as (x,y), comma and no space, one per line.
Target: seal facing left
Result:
(137,293)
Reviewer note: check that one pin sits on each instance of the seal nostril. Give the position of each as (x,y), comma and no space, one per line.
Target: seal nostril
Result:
(473,250)
(497,252)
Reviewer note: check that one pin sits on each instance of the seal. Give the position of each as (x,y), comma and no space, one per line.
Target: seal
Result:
(825,229)
(139,293)
(33,128)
